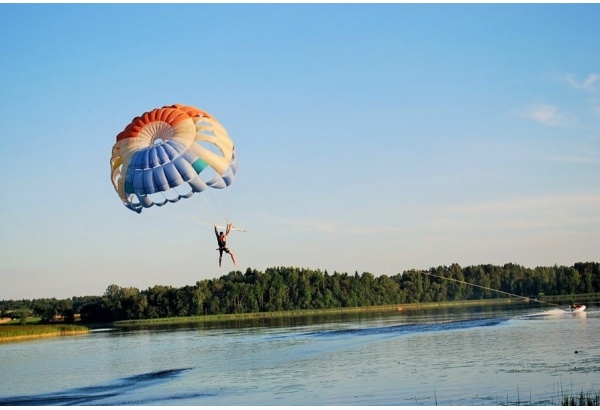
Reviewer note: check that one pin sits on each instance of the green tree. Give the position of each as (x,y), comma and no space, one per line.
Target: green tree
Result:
(65,310)
(412,283)
(132,304)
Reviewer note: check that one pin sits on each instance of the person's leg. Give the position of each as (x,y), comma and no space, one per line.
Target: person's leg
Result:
(230,252)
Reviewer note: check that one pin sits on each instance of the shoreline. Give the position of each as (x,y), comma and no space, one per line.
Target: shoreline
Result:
(18,333)
(549,301)
(45,331)
(40,336)
(316,312)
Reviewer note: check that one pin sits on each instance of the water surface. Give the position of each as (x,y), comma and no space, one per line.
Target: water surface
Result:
(454,356)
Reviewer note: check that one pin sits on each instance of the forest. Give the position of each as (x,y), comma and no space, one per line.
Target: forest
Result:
(292,288)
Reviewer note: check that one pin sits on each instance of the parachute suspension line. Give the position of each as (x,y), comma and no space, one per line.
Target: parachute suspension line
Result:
(487,288)
(227,197)
(181,216)
(214,209)
(207,211)
(221,212)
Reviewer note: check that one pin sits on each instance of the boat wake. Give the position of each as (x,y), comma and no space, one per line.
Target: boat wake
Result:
(549,313)
(409,328)
(92,395)
(555,313)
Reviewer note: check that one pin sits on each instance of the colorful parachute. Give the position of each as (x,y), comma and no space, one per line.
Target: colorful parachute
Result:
(171,153)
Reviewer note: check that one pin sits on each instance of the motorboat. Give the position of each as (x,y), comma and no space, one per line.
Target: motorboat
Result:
(576,308)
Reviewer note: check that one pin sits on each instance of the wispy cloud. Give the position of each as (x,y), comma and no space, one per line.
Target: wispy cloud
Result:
(548,115)
(334,225)
(554,212)
(589,84)
(576,159)
(586,155)
(533,203)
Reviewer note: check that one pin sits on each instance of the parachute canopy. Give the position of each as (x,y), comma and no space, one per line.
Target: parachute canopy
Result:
(171,153)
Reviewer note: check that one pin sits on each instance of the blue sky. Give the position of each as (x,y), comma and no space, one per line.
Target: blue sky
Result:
(374,138)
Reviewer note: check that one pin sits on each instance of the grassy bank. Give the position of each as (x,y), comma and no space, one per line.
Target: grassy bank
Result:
(315,312)
(11,333)
(568,299)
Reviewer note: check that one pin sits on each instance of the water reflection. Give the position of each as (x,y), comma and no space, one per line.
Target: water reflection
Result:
(90,394)
(444,356)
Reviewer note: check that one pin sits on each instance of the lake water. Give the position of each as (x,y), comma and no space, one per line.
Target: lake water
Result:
(460,356)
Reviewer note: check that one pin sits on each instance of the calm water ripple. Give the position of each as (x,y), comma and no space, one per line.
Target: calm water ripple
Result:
(460,356)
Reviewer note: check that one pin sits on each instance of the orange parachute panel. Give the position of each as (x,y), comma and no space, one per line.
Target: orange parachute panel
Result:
(155,165)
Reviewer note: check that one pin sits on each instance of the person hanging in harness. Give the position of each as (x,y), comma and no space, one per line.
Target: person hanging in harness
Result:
(222,241)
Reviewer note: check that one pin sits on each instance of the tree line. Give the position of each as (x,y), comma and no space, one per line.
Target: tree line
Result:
(292,288)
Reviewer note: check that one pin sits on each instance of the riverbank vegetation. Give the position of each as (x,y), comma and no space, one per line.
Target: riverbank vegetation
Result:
(22,332)
(291,289)
(583,399)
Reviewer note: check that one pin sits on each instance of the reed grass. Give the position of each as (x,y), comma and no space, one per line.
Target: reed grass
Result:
(584,399)
(22,332)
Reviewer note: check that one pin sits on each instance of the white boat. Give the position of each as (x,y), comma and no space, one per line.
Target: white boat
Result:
(576,308)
